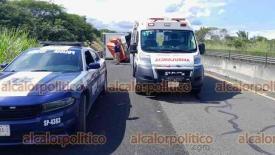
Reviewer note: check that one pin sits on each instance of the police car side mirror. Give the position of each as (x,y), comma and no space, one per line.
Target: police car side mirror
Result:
(4,65)
(202,48)
(133,48)
(94,65)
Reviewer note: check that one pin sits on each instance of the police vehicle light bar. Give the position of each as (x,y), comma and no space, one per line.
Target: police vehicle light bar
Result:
(57,43)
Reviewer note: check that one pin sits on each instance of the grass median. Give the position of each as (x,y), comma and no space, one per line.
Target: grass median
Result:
(263,48)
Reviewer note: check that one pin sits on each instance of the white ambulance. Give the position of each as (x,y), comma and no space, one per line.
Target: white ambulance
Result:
(165,49)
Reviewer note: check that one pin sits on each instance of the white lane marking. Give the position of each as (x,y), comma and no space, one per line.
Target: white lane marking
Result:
(241,88)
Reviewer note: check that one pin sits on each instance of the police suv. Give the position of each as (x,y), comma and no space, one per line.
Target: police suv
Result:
(51,89)
(166,49)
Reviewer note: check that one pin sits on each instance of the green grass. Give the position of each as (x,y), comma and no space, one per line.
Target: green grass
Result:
(14,41)
(261,48)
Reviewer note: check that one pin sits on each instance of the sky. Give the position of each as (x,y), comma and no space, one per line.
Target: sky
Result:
(254,16)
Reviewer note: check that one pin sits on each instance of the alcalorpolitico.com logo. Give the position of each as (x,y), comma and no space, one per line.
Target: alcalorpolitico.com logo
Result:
(187,138)
(79,138)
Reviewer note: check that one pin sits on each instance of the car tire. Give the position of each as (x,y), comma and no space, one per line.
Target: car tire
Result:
(81,127)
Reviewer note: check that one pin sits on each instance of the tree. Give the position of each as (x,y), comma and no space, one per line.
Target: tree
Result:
(46,21)
(224,33)
(239,43)
(202,33)
(259,39)
(243,35)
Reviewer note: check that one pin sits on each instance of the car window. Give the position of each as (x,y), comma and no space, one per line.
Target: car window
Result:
(89,58)
(95,56)
(181,41)
(50,60)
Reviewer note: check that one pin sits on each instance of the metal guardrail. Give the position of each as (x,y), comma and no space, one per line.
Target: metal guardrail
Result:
(250,58)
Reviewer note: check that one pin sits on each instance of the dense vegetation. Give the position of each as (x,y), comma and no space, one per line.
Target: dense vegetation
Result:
(46,21)
(220,40)
(22,22)
(12,42)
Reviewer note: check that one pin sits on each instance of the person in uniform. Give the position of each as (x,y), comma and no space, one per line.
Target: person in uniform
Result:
(117,52)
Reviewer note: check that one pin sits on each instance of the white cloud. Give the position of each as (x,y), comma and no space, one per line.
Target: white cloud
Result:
(116,10)
(115,13)
(196,8)
(221,11)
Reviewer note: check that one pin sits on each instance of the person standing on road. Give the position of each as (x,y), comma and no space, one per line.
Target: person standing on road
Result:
(117,52)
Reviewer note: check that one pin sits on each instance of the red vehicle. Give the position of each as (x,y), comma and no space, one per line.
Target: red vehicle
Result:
(111,47)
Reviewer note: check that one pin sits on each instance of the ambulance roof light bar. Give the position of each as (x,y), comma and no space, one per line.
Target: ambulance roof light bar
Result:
(61,43)
(179,19)
(183,22)
(174,19)
(156,19)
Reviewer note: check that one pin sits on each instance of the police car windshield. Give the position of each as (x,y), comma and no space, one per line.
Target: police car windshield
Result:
(43,61)
(182,41)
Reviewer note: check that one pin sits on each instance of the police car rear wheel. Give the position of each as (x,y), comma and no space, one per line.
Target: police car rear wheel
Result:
(82,114)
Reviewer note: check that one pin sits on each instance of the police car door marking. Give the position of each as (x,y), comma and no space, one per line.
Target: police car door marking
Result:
(64,52)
